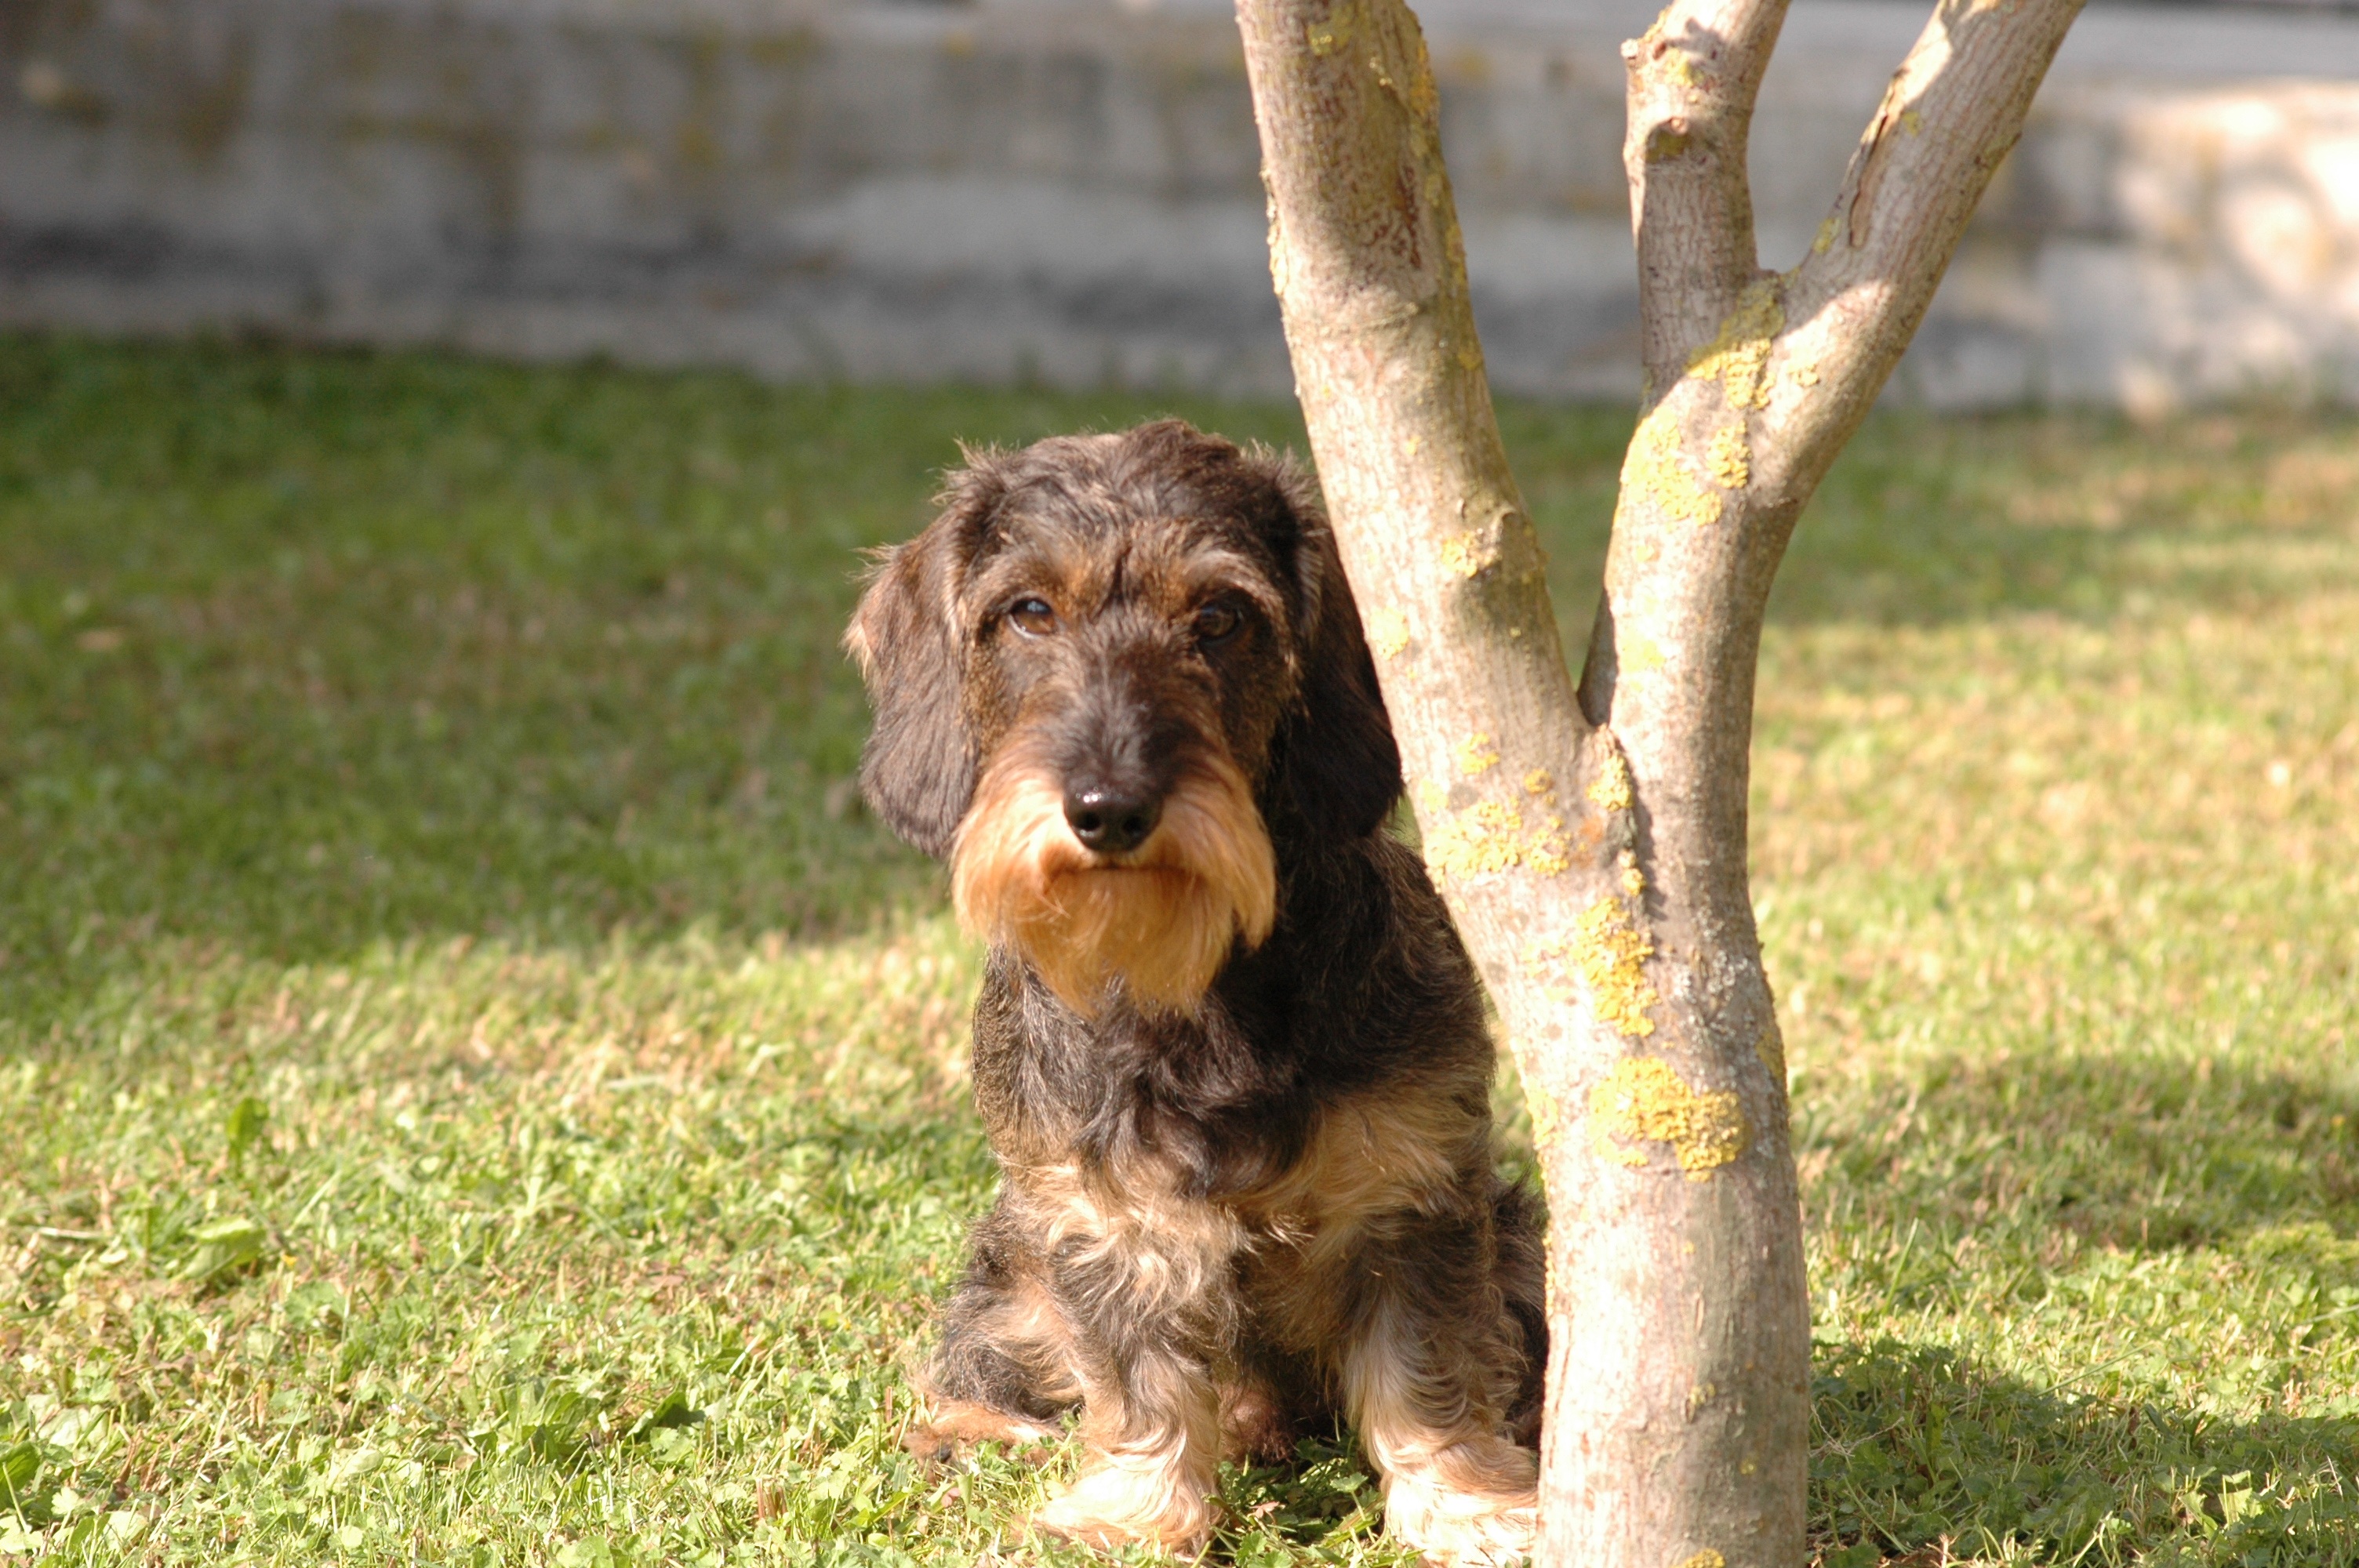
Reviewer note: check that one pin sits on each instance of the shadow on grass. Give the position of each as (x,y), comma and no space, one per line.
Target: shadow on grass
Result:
(1918,1450)
(1915,1448)
(305,652)
(2111,1152)
(2186,1225)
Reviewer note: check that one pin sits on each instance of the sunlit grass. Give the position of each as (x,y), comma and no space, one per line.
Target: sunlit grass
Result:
(479,1090)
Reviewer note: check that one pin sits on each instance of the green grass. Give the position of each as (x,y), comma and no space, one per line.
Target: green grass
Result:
(478,1091)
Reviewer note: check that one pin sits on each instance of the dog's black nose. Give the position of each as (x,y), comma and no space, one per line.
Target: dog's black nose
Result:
(1109,821)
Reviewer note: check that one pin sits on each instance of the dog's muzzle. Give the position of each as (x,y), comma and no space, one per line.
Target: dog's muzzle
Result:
(1106,889)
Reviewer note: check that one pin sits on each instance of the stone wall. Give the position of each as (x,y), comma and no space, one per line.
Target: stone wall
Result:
(1067,190)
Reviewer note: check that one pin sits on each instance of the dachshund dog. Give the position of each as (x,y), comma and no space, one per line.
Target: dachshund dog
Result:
(1230,1052)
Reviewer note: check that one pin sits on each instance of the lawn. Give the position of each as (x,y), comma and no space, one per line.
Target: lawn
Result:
(479,1091)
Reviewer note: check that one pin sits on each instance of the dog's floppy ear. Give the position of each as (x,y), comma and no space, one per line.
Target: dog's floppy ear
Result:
(917,768)
(1336,749)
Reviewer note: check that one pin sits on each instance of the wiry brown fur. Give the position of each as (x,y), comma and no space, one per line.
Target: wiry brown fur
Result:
(1161,921)
(1234,1065)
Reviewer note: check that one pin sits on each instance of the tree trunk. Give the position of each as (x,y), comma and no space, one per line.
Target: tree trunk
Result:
(1590,841)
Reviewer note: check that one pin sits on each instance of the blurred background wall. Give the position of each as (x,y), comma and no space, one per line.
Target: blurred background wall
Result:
(1067,190)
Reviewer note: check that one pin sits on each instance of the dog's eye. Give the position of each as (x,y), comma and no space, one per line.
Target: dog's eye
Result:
(1217,622)
(1033,617)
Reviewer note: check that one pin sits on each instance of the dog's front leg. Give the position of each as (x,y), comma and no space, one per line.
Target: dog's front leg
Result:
(1146,1305)
(1422,1383)
(1153,1443)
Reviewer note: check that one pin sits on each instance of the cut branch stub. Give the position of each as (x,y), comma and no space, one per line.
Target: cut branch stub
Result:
(1693,77)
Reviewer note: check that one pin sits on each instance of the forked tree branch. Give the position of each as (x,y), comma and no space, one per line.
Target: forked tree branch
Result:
(1755,381)
(1592,852)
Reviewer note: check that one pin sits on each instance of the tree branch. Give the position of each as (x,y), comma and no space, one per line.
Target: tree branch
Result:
(1756,381)
(1693,77)
(1593,853)
(1371,277)
(1953,113)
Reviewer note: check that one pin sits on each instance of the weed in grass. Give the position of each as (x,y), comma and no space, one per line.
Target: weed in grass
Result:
(479,1092)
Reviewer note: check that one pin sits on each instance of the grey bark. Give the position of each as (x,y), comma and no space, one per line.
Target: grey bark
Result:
(1591,840)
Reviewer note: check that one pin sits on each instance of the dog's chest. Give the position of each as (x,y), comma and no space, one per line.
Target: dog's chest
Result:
(1373,1155)
(1364,1159)
(1217,1094)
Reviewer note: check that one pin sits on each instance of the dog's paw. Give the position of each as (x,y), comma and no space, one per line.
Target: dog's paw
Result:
(1471,1506)
(1113,1505)
(946,1429)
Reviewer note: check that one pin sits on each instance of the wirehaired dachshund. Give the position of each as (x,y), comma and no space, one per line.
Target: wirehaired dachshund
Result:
(1230,1054)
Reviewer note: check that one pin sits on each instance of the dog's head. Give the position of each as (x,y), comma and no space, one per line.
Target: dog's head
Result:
(1097,677)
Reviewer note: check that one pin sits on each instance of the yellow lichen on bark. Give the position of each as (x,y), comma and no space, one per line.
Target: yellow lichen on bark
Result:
(1485,838)
(1388,633)
(1738,357)
(1707,1558)
(1476,754)
(1608,950)
(1548,853)
(1731,456)
(1491,836)
(1643,1100)
(1641,654)
(1610,790)
(1542,1105)
(1665,143)
(1469,555)
(1655,474)
(1334,36)
(1770,1046)
(1655,51)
